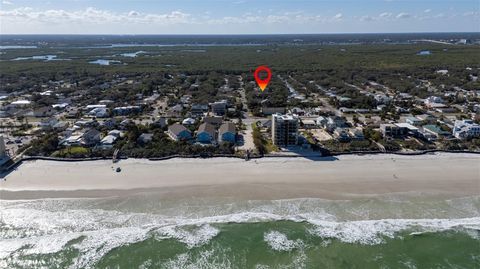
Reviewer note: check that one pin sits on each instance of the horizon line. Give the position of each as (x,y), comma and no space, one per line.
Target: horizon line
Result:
(243,34)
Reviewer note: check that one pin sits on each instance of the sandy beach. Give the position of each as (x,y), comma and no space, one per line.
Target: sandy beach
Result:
(269,178)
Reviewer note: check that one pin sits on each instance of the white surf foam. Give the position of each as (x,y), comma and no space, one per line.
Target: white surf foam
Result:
(195,237)
(207,259)
(26,228)
(279,241)
(370,232)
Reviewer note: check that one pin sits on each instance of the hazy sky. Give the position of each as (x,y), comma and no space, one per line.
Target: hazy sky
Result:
(237,16)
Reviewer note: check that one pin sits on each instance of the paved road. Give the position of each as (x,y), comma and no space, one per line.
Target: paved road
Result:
(247,120)
(325,102)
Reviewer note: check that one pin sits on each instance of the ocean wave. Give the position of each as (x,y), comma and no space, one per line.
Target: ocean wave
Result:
(279,241)
(372,232)
(46,227)
(194,237)
(205,259)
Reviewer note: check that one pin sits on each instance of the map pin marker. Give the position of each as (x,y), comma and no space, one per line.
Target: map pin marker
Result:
(263,83)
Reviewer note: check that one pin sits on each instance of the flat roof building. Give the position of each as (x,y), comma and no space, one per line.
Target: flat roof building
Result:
(285,129)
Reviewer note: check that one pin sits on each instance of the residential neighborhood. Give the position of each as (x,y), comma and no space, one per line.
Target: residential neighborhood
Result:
(303,111)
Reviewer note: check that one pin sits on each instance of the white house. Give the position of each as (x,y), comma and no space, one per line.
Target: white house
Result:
(466,129)
(73,140)
(108,141)
(434,102)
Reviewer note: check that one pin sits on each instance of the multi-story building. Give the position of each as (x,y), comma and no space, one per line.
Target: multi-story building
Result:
(392,130)
(285,129)
(466,129)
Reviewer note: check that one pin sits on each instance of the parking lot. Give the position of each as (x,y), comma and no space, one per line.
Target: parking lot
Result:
(13,143)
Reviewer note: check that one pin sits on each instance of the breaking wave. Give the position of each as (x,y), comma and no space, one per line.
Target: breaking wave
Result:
(279,241)
(27,229)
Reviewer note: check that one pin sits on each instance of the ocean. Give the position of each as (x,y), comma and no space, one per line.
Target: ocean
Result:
(146,231)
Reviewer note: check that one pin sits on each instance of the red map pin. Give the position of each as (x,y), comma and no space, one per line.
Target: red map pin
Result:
(263,83)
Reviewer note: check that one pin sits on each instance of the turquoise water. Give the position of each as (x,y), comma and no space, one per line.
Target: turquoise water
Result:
(148,232)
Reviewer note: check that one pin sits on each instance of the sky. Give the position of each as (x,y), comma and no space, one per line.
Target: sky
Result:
(237,16)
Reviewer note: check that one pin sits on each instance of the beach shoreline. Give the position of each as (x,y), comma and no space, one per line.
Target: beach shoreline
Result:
(341,177)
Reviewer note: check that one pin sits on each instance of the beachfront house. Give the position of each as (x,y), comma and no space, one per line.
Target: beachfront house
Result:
(341,134)
(435,130)
(227,132)
(178,132)
(145,138)
(107,142)
(408,128)
(356,133)
(392,130)
(206,133)
(91,137)
(335,122)
(466,129)
(72,140)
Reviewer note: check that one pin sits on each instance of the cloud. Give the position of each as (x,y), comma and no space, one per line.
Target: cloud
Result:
(385,15)
(6,2)
(475,14)
(427,10)
(403,15)
(367,18)
(92,16)
(286,18)
(133,13)
(95,20)
(338,16)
